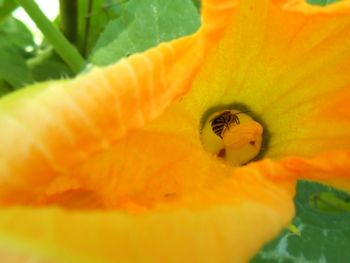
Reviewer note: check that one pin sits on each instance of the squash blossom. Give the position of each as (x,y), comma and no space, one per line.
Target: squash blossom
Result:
(187,152)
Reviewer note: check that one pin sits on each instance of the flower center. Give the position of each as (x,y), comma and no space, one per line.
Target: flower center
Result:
(232,135)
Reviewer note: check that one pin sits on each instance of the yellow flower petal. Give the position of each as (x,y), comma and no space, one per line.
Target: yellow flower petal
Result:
(331,168)
(51,127)
(229,221)
(285,60)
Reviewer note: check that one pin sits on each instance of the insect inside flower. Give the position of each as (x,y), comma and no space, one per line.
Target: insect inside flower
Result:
(223,121)
(232,135)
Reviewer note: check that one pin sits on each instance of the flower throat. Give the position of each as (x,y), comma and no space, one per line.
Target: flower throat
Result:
(232,135)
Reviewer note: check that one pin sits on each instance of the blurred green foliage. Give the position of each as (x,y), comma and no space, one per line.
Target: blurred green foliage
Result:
(143,25)
(16,44)
(323,220)
(322,2)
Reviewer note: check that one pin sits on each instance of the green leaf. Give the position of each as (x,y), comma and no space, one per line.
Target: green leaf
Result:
(6,8)
(331,202)
(13,67)
(144,24)
(93,16)
(48,65)
(15,32)
(325,233)
(197,3)
(4,88)
(321,2)
(15,40)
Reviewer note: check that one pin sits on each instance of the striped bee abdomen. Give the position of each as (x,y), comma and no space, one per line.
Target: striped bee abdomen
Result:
(221,122)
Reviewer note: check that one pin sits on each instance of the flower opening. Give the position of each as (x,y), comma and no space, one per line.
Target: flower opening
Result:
(232,135)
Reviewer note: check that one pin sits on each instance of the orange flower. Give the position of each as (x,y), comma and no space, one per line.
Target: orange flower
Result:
(120,147)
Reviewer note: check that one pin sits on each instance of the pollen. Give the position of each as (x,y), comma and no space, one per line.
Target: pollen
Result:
(233,136)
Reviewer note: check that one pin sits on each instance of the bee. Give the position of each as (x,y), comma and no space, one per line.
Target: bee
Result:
(222,122)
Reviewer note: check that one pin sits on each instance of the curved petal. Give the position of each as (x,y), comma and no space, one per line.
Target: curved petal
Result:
(285,72)
(48,128)
(331,168)
(231,220)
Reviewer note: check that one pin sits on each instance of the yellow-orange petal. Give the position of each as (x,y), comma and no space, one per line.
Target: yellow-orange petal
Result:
(48,128)
(331,168)
(293,74)
(229,221)
(166,192)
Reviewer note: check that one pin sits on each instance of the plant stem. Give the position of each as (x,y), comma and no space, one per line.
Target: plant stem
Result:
(87,26)
(69,19)
(62,46)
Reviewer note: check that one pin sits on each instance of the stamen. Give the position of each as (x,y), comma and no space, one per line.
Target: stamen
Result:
(232,135)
